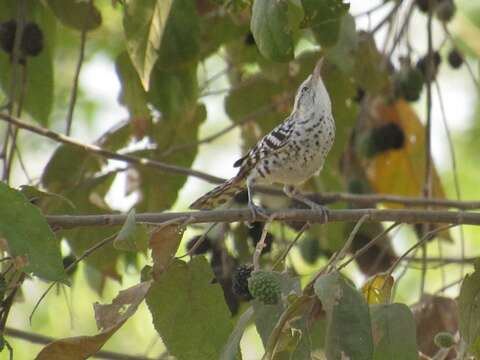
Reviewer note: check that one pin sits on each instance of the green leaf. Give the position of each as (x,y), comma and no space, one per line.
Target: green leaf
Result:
(394,332)
(189,312)
(344,51)
(133,95)
(28,234)
(368,70)
(181,37)
(144,23)
(324,18)
(174,92)
(160,192)
(469,309)
(67,167)
(348,318)
(125,240)
(76,14)
(38,72)
(271,29)
(232,346)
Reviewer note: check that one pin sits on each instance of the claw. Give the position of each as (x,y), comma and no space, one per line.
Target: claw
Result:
(320,208)
(256,212)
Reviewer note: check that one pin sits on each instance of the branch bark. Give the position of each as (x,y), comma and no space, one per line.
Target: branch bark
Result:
(289,215)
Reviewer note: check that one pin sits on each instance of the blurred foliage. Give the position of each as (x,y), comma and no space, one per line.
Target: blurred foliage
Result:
(160,49)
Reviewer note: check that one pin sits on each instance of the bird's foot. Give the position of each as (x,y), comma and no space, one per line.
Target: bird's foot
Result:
(256,212)
(314,206)
(320,208)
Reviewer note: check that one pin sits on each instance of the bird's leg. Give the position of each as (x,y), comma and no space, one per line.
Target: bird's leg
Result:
(293,194)
(254,209)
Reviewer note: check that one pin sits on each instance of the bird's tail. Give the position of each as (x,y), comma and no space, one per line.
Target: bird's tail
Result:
(220,194)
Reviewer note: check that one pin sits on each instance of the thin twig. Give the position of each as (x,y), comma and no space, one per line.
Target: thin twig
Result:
(425,238)
(467,65)
(427,186)
(388,17)
(343,251)
(41,339)
(73,95)
(453,158)
(85,254)
(362,250)
(261,244)
(290,246)
(109,154)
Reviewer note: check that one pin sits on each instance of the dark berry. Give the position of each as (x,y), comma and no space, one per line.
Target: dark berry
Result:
(386,137)
(359,95)
(249,39)
(32,39)
(240,282)
(7,35)
(424,65)
(204,247)
(423,5)
(241,197)
(455,59)
(445,10)
(68,261)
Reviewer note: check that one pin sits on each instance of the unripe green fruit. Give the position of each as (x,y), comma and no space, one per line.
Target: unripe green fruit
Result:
(265,287)
(408,83)
(444,340)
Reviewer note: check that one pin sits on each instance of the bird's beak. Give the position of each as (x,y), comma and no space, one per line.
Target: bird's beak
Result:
(318,69)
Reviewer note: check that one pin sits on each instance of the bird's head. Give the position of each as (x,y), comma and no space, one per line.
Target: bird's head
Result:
(312,96)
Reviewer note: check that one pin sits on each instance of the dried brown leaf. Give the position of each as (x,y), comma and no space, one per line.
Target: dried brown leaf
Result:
(164,243)
(109,318)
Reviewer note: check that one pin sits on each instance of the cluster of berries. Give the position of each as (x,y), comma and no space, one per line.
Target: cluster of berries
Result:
(31,43)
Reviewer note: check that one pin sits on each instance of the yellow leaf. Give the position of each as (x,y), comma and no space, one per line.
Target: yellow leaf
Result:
(402,171)
(377,289)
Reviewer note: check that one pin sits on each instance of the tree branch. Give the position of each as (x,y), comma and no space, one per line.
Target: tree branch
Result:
(290,215)
(43,340)
(326,198)
(109,154)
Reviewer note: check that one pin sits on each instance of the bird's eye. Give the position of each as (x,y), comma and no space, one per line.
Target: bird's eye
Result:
(304,89)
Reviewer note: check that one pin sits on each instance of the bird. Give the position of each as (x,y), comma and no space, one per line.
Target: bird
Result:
(290,154)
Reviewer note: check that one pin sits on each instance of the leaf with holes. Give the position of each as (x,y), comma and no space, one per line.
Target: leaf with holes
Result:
(109,318)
